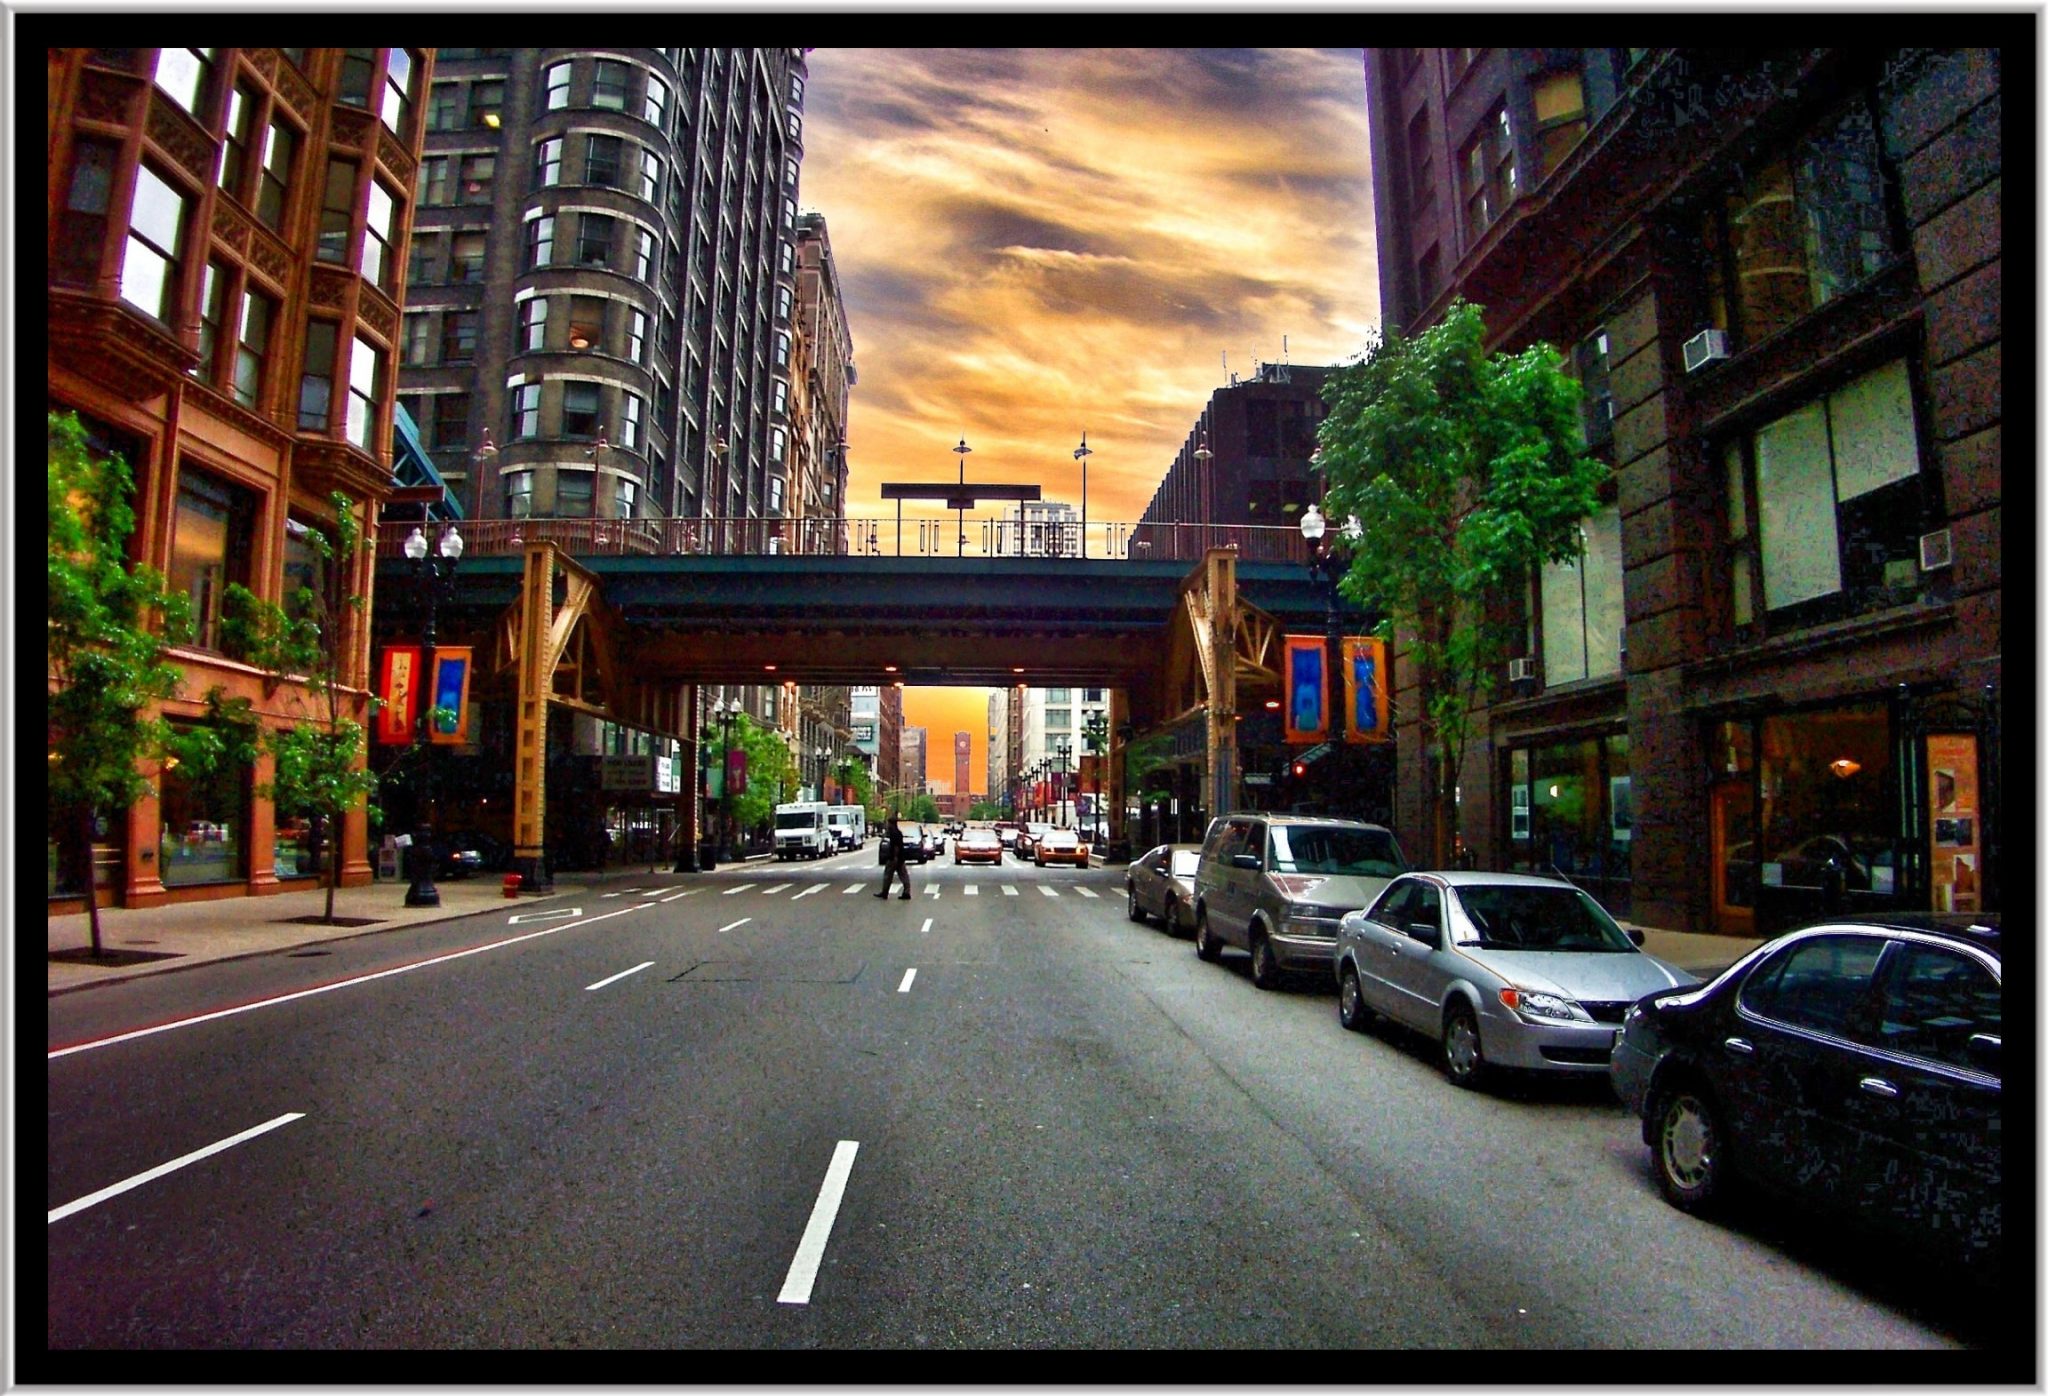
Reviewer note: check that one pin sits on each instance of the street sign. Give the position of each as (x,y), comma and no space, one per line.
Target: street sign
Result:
(626,773)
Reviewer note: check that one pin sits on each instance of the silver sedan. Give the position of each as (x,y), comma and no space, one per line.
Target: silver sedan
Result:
(1505,970)
(1162,884)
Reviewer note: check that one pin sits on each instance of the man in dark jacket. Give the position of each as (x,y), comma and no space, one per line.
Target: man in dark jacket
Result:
(893,862)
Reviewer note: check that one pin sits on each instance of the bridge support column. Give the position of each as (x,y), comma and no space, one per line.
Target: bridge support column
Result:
(1111,790)
(687,808)
(1219,662)
(530,742)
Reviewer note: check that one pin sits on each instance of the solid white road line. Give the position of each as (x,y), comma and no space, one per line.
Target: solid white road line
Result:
(743,887)
(1008,890)
(1047,890)
(617,977)
(803,1268)
(741,922)
(973,890)
(57,1214)
(925,929)
(338,984)
(778,887)
(908,975)
(819,887)
(1088,894)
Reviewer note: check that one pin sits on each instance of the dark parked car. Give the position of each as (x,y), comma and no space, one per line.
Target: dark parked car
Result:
(462,852)
(1852,1064)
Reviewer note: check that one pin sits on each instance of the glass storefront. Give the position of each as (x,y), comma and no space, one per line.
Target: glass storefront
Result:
(205,826)
(1570,810)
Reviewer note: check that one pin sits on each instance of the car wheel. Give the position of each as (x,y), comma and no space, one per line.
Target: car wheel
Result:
(1134,911)
(1265,964)
(1206,944)
(1172,918)
(1084,865)
(1686,1148)
(1464,1062)
(1351,1009)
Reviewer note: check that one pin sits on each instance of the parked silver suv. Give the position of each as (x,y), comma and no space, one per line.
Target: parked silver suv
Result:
(1276,885)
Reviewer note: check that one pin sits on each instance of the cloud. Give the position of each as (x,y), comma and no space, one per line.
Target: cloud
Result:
(1037,242)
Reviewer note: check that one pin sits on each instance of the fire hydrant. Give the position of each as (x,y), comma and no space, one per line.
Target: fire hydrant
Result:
(512,884)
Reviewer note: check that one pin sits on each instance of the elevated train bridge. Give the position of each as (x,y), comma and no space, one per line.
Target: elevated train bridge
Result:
(626,621)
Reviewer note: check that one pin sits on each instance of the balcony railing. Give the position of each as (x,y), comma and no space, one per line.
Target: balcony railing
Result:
(926,537)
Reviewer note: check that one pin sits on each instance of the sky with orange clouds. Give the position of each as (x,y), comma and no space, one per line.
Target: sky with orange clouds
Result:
(1034,243)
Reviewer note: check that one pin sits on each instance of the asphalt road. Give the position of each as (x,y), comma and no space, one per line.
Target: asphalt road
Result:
(1046,1127)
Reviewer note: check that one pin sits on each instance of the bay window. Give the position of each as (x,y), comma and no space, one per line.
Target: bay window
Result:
(156,240)
(365,378)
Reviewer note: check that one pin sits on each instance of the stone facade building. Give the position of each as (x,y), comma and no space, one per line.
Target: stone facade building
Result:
(1772,685)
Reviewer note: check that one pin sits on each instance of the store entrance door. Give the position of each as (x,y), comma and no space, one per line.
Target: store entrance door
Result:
(1734,854)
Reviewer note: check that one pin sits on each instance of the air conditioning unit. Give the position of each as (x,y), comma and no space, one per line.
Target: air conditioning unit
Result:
(1935,550)
(1704,348)
(1521,670)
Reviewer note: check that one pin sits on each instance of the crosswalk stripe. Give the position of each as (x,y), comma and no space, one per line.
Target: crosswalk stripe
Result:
(1086,893)
(778,887)
(1008,890)
(654,891)
(816,887)
(972,890)
(1047,890)
(743,887)
(851,888)
(932,890)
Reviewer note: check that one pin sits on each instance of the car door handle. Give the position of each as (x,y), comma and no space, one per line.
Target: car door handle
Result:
(1878,1086)
(1740,1046)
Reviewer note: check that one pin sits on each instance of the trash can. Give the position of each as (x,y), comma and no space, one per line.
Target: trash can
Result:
(707,856)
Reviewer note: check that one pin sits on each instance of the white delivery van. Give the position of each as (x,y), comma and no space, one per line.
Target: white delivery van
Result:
(800,830)
(849,825)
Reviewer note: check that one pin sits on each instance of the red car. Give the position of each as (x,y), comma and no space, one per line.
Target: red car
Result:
(977,846)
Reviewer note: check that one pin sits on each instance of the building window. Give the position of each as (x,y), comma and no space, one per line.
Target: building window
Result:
(519,494)
(1596,397)
(444,99)
(252,344)
(1582,611)
(1560,118)
(781,407)
(458,336)
(279,143)
(626,497)
(316,378)
(579,410)
(636,337)
(533,324)
(601,161)
(1059,719)
(77,254)
(796,126)
(451,420)
(204,834)
(337,211)
(782,349)
(594,234)
(486,101)
(1487,172)
(575,491)
(650,176)
(379,267)
(236,136)
(212,541)
(434,181)
(784,302)
(643,257)
(477,173)
(629,421)
(358,66)
(365,381)
(417,336)
(397,91)
(558,86)
(213,302)
(182,74)
(1827,504)
(608,86)
(586,323)
(156,240)
(1800,230)
(547,162)
(526,411)
(540,242)
(655,107)
(1571,810)
(468,257)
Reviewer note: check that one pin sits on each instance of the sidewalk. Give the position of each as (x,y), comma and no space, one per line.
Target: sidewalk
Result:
(188,933)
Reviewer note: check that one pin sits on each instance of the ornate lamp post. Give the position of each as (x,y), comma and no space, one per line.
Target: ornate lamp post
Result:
(725,716)
(1325,569)
(435,576)
(1081,454)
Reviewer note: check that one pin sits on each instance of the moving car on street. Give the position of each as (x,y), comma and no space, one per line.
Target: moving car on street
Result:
(1277,884)
(1855,1065)
(1162,883)
(1504,969)
(977,846)
(1059,846)
(1028,835)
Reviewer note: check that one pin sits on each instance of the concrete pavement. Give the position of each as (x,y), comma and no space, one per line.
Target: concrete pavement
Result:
(189,933)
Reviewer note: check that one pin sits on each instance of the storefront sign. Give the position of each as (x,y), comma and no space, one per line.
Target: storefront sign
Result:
(626,773)
(1954,820)
(451,692)
(398,688)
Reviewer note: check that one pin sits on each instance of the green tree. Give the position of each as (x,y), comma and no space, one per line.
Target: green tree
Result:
(986,809)
(110,626)
(318,766)
(1466,470)
(769,770)
(854,776)
(922,808)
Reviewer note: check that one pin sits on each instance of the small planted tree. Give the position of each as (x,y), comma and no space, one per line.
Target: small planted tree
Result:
(1466,470)
(111,624)
(318,764)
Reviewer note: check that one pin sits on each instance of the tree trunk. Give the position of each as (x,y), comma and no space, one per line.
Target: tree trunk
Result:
(333,877)
(92,900)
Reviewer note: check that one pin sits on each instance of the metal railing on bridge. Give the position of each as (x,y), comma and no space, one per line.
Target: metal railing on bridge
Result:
(924,537)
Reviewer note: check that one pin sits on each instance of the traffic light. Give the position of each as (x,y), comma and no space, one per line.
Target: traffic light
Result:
(1300,769)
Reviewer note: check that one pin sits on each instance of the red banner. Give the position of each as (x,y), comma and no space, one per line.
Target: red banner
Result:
(398,682)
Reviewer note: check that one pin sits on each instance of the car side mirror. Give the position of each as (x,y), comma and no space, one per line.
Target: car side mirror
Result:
(1248,861)
(1986,1051)
(1423,931)
(1635,935)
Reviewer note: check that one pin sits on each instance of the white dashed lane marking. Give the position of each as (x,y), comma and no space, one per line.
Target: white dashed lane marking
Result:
(617,977)
(908,975)
(741,922)
(803,1268)
(743,887)
(817,887)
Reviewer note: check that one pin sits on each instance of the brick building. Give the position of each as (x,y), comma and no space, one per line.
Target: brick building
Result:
(1772,684)
(227,255)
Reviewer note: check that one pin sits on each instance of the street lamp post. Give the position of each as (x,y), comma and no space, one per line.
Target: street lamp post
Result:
(725,717)
(1060,789)
(1081,454)
(960,513)
(1324,569)
(435,575)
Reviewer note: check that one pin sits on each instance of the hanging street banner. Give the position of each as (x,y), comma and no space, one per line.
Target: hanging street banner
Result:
(398,689)
(1365,690)
(451,691)
(1306,690)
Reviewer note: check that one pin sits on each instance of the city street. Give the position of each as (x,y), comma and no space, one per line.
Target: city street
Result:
(750,1109)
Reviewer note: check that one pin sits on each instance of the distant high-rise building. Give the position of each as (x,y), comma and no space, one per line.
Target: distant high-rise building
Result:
(998,744)
(1259,436)
(889,737)
(914,768)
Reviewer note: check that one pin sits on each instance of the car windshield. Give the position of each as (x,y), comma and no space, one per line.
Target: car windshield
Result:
(1541,918)
(796,819)
(1185,861)
(1330,848)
